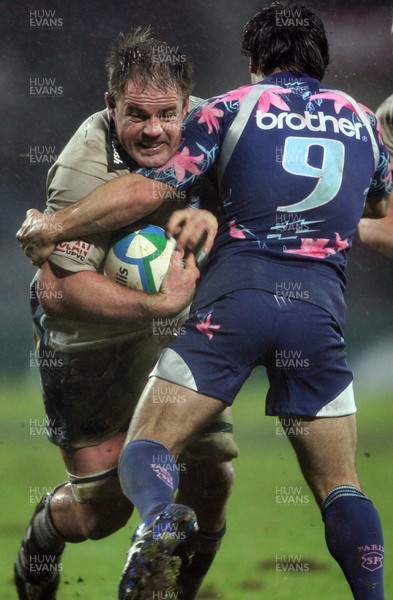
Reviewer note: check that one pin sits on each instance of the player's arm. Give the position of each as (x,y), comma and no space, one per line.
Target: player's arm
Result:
(126,199)
(109,207)
(381,188)
(375,231)
(92,297)
(376,207)
(378,233)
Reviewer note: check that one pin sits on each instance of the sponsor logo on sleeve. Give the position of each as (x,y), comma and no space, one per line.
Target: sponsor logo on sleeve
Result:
(78,251)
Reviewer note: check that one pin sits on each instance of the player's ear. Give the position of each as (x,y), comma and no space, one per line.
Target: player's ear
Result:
(185,107)
(255,73)
(110,103)
(251,66)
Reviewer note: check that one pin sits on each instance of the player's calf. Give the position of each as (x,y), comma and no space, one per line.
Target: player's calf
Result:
(205,486)
(355,540)
(37,566)
(197,556)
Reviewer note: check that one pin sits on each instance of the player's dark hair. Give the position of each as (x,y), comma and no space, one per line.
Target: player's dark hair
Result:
(139,57)
(289,37)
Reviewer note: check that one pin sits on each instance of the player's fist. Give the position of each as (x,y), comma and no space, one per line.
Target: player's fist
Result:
(36,236)
(178,285)
(191,227)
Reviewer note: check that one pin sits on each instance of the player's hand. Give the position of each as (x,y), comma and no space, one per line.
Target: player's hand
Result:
(190,225)
(36,236)
(178,285)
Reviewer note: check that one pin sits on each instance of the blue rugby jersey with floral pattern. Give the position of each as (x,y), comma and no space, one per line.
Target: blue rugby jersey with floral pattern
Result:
(293,190)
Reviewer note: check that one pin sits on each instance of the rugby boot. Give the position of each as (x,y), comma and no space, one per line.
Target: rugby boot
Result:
(150,566)
(36,572)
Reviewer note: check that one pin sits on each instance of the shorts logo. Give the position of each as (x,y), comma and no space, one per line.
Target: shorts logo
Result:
(372,561)
(204,326)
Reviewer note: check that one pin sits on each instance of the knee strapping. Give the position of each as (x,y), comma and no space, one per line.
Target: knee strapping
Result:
(208,542)
(198,554)
(95,487)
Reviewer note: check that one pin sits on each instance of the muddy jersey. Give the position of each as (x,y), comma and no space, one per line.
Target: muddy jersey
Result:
(297,162)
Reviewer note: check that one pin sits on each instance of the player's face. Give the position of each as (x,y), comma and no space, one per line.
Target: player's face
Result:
(148,123)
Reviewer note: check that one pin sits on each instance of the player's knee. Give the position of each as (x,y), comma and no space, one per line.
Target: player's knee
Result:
(98,521)
(101,506)
(227,476)
(218,480)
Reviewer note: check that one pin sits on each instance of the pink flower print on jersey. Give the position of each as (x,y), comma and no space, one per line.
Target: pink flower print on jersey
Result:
(239,232)
(235,232)
(182,162)
(339,102)
(272,97)
(209,115)
(238,94)
(204,326)
(315,248)
(340,244)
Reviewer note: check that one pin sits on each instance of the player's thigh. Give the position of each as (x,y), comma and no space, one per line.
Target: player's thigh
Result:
(90,459)
(91,396)
(172,423)
(306,365)
(326,449)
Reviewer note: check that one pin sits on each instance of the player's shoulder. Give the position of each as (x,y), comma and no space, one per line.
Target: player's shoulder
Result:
(94,127)
(87,141)
(193,102)
(385,116)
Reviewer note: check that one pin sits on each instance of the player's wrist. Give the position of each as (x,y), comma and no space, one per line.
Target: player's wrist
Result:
(52,228)
(68,222)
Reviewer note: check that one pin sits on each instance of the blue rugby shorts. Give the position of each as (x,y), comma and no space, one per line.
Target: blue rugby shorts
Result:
(300,344)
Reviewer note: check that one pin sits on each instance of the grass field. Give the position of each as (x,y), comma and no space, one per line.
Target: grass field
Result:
(264,535)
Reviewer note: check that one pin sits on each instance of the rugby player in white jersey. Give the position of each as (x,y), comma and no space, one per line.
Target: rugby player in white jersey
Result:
(99,335)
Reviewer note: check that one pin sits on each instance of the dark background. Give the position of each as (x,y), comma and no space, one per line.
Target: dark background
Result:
(73,52)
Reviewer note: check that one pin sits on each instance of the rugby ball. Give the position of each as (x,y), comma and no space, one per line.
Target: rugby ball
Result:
(140,259)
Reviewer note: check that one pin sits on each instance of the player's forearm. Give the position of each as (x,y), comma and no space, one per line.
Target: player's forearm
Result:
(111,206)
(378,233)
(91,297)
(376,207)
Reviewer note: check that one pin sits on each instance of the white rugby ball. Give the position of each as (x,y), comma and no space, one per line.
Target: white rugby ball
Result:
(140,259)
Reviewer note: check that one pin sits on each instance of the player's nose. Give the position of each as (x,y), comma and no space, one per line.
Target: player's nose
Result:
(152,127)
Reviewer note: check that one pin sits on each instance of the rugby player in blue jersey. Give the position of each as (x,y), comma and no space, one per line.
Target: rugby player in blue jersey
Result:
(299,166)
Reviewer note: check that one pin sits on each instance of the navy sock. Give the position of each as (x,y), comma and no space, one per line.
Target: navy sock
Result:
(354,537)
(148,476)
